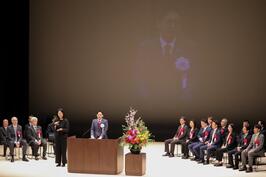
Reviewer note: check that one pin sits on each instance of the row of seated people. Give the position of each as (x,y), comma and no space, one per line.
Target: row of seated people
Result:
(12,136)
(213,140)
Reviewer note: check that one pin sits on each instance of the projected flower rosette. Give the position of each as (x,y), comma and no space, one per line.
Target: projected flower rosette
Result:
(135,133)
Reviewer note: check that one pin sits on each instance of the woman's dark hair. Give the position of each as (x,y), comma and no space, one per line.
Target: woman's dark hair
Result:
(216,122)
(194,122)
(204,120)
(60,110)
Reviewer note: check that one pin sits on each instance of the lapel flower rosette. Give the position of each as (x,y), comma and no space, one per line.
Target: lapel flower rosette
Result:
(135,133)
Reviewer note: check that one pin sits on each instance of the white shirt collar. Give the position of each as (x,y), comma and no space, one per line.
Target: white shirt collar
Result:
(164,43)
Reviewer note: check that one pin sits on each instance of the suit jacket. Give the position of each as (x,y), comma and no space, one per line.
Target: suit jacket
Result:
(192,135)
(215,138)
(26,127)
(204,134)
(182,133)
(99,130)
(11,136)
(256,143)
(230,141)
(34,135)
(244,141)
(3,134)
(224,132)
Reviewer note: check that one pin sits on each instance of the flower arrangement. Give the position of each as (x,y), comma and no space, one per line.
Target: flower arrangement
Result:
(135,133)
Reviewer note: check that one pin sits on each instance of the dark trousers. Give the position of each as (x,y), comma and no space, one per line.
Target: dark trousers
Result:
(172,143)
(5,147)
(237,155)
(185,149)
(210,149)
(219,153)
(60,149)
(35,147)
(22,143)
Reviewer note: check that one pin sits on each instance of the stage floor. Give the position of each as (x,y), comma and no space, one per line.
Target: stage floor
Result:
(156,166)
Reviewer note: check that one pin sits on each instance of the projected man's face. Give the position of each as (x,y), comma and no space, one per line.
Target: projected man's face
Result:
(99,115)
(169,25)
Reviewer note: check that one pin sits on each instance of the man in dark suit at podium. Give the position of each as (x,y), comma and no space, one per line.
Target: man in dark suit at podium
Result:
(99,127)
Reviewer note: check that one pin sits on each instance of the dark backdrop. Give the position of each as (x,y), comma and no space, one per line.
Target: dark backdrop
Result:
(14,99)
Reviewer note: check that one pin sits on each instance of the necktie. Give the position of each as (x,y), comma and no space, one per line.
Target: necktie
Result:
(167,51)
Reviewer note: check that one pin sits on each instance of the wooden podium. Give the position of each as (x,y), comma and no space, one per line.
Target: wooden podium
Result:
(94,156)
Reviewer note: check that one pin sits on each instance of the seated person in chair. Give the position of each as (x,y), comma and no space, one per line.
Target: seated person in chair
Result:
(212,144)
(242,145)
(36,140)
(3,135)
(203,137)
(179,138)
(192,137)
(254,149)
(229,144)
(14,138)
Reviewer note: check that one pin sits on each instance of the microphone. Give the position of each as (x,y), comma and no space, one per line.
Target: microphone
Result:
(85,132)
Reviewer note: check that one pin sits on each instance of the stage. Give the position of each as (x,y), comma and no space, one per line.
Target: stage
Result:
(156,166)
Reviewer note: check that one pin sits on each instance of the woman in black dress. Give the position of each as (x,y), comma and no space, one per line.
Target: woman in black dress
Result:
(61,133)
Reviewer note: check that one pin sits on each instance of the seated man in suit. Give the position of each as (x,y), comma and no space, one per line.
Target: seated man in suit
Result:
(35,136)
(223,129)
(99,127)
(3,135)
(254,149)
(179,138)
(212,144)
(27,126)
(242,145)
(14,138)
(203,137)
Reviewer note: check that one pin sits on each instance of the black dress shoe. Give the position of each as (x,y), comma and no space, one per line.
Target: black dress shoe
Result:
(63,165)
(171,155)
(12,159)
(244,168)
(184,157)
(229,166)
(206,163)
(249,170)
(25,159)
(36,158)
(166,154)
(235,168)
(218,165)
(44,158)
(201,161)
(58,165)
